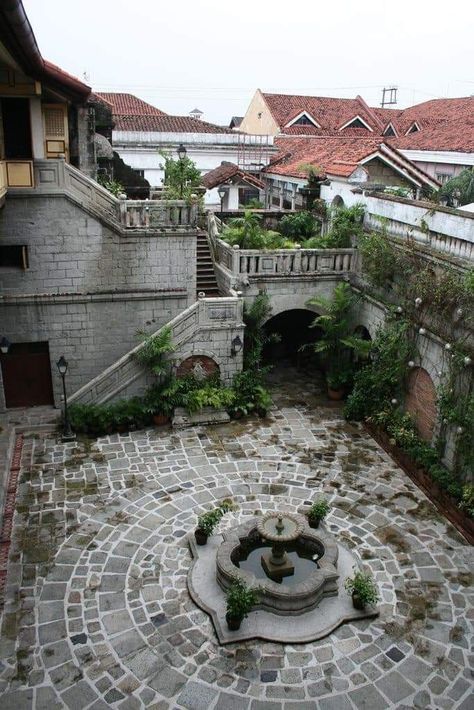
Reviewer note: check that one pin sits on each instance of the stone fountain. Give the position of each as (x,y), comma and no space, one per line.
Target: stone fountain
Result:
(299,571)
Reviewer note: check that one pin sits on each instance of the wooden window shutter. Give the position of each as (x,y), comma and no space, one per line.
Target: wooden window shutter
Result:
(55,126)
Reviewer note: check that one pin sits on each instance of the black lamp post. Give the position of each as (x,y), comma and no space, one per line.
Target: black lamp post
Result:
(221,192)
(182,156)
(68,434)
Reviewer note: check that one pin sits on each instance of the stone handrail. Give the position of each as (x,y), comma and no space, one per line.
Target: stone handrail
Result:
(136,214)
(442,229)
(205,314)
(284,262)
(56,177)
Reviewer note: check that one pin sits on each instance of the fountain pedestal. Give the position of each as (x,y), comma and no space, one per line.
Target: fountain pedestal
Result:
(277,565)
(278,529)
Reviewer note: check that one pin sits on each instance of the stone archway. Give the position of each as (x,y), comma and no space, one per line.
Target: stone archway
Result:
(293,330)
(202,366)
(420,402)
(337,202)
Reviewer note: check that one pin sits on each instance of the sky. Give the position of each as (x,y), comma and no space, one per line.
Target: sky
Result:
(214,54)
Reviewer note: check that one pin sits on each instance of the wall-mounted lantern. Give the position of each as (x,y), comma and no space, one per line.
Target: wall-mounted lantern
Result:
(236,346)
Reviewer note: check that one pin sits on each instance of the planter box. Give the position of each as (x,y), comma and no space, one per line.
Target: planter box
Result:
(443,502)
(207,415)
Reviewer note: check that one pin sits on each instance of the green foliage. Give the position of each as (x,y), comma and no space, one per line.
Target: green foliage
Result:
(254,204)
(298,226)
(256,336)
(97,420)
(153,352)
(346,225)
(247,232)
(456,410)
(467,501)
(336,342)
(249,394)
(383,376)
(240,599)
(379,258)
(207,522)
(319,509)
(182,177)
(460,188)
(113,186)
(363,585)
(209,395)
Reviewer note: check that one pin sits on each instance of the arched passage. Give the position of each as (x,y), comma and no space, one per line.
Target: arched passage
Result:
(293,329)
(338,202)
(421,402)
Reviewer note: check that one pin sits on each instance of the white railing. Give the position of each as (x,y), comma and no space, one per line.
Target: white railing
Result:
(53,177)
(150,214)
(207,314)
(278,262)
(443,229)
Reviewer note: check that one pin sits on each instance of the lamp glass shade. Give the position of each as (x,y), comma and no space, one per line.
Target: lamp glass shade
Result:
(181,151)
(62,365)
(221,192)
(4,345)
(236,345)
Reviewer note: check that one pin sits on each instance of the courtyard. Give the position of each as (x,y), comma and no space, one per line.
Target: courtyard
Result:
(97,612)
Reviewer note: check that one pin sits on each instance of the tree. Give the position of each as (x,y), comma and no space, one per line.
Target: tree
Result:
(182,177)
(460,189)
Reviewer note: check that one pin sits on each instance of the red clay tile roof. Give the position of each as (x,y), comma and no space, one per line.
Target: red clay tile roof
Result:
(330,113)
(444,136)
(432,117)
(226,171)
(334,155)
(129,105)
(167,124)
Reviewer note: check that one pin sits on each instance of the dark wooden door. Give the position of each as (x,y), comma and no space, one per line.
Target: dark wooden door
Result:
(16,129)
(26,372)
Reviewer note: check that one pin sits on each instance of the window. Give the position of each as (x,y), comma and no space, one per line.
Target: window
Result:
(389,131)
(413,129)
(443,177)
(14,257)
(303,121)
(357,123)
(141,173)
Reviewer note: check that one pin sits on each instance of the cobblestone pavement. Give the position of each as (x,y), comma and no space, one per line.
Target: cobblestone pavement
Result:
(97,612)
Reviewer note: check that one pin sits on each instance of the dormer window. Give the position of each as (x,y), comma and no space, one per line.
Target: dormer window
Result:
(389,131)
(413,128)
(356,122)
(303,119)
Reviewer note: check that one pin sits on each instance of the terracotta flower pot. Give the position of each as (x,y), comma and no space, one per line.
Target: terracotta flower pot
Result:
(357,602)
(335,395)
(200,536)
(160,419)
(233,622)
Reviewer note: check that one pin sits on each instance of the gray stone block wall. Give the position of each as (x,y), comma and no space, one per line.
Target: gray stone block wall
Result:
(70,251)
(91,334)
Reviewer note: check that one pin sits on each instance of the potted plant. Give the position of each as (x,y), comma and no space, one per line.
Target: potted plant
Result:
(240,601)
(336,341)
(363,589)
(207,522)
(317,512)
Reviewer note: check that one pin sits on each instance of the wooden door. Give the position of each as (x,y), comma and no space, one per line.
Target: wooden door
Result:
(26,373)
(56,134)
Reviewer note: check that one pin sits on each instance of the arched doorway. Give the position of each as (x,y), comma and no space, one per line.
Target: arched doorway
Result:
(338,202)
(294,331)
(420,402)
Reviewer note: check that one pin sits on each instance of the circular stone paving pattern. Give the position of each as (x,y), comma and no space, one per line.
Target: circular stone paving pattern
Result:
(113,624)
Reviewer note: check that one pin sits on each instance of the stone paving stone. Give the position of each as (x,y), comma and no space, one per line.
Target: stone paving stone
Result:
(196,696)
(79,696)
(368,698)
(338,702)
(46,699)
(226,701)
(168,682)
(394,686)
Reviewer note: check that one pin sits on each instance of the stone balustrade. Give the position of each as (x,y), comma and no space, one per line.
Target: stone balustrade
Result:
(56,177)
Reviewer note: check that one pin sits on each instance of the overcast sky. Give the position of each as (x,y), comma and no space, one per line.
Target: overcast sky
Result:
(213,54)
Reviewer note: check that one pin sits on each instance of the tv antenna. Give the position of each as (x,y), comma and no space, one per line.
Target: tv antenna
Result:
(389,96)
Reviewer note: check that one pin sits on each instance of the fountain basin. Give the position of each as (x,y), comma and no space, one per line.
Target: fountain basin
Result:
(276,597)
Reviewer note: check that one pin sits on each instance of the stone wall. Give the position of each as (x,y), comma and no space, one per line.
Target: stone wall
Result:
(88,288)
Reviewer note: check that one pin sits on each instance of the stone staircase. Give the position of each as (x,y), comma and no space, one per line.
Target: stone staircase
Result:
(205,276)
